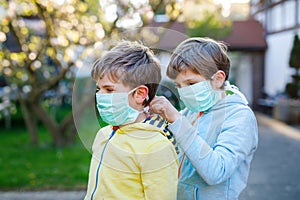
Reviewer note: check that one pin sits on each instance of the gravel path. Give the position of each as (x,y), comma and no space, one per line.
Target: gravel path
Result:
(43,195)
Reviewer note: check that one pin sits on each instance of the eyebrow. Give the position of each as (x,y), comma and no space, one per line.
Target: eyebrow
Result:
(190,80)
(105,86)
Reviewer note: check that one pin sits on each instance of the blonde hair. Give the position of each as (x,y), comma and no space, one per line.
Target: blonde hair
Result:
(203,56)
(132,63)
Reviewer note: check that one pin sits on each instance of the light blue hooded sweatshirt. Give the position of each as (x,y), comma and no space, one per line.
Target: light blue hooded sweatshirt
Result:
(219,149)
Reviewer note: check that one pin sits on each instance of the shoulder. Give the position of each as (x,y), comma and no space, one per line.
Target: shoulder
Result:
(231,112)
(139,150)
(241,119)
(240,112)
(104,132)
(158,154)
(234,107)
(144,140)
(101,137)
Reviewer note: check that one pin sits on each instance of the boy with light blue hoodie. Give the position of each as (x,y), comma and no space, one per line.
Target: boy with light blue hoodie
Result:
(217,132)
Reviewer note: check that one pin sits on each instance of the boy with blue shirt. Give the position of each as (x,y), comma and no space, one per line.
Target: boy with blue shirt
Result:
(217,132)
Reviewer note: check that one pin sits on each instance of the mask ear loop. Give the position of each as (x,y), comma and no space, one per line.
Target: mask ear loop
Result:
(146,109)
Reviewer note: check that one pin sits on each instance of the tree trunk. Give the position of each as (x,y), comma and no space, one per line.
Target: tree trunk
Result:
(50,124)
(68,128)
(30,121)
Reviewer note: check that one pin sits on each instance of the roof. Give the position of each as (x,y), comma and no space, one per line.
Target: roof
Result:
(247,35)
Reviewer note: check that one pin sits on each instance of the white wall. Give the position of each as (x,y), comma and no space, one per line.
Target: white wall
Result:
(241,73)
(277,70)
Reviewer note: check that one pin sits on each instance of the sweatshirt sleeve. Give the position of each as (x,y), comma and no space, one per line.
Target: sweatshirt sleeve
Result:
(159,172)
(236,141)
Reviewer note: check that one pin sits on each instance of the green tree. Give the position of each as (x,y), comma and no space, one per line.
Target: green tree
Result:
(292,89)
(43,42)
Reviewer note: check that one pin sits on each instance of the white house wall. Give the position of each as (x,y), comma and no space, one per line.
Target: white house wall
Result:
(278,21)
(241,73)
(277,70)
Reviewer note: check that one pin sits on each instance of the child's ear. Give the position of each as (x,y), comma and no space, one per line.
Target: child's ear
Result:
(141,94)
(219,79)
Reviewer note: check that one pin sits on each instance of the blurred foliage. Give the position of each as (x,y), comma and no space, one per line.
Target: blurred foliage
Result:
(209,27)
(204,19)
(43,42)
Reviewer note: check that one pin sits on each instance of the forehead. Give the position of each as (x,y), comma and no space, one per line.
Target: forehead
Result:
(188,74)
(108,80)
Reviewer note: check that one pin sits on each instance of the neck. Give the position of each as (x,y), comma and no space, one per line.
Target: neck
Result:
(142,116)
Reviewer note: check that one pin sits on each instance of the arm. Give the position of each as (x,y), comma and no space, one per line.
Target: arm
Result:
(237,140)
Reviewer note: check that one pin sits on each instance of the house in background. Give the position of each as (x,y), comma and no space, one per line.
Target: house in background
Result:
(247,47)
(281,21)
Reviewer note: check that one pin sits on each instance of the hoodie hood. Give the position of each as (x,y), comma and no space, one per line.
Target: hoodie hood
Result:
(230,100)
(234,96)
(152,125)
(139,126)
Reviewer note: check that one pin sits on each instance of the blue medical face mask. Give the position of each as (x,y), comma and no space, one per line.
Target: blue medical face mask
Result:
(114,108)
(199,97)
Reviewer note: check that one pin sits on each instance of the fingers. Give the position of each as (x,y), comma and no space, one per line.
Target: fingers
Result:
(160,105)
(157,99)
(155,105)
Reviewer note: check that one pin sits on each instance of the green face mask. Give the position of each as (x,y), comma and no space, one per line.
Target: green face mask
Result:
(199,97)
(114,108)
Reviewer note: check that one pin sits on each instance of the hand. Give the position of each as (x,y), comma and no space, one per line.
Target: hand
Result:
(160,105)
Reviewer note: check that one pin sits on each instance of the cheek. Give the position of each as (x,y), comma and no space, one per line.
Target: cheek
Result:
(179,82)
(133,101)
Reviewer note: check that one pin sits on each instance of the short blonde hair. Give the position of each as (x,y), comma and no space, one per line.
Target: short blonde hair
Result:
(203,56)
(132,63)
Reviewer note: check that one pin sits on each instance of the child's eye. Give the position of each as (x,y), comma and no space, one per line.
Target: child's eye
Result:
(109,90)
(191,83)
